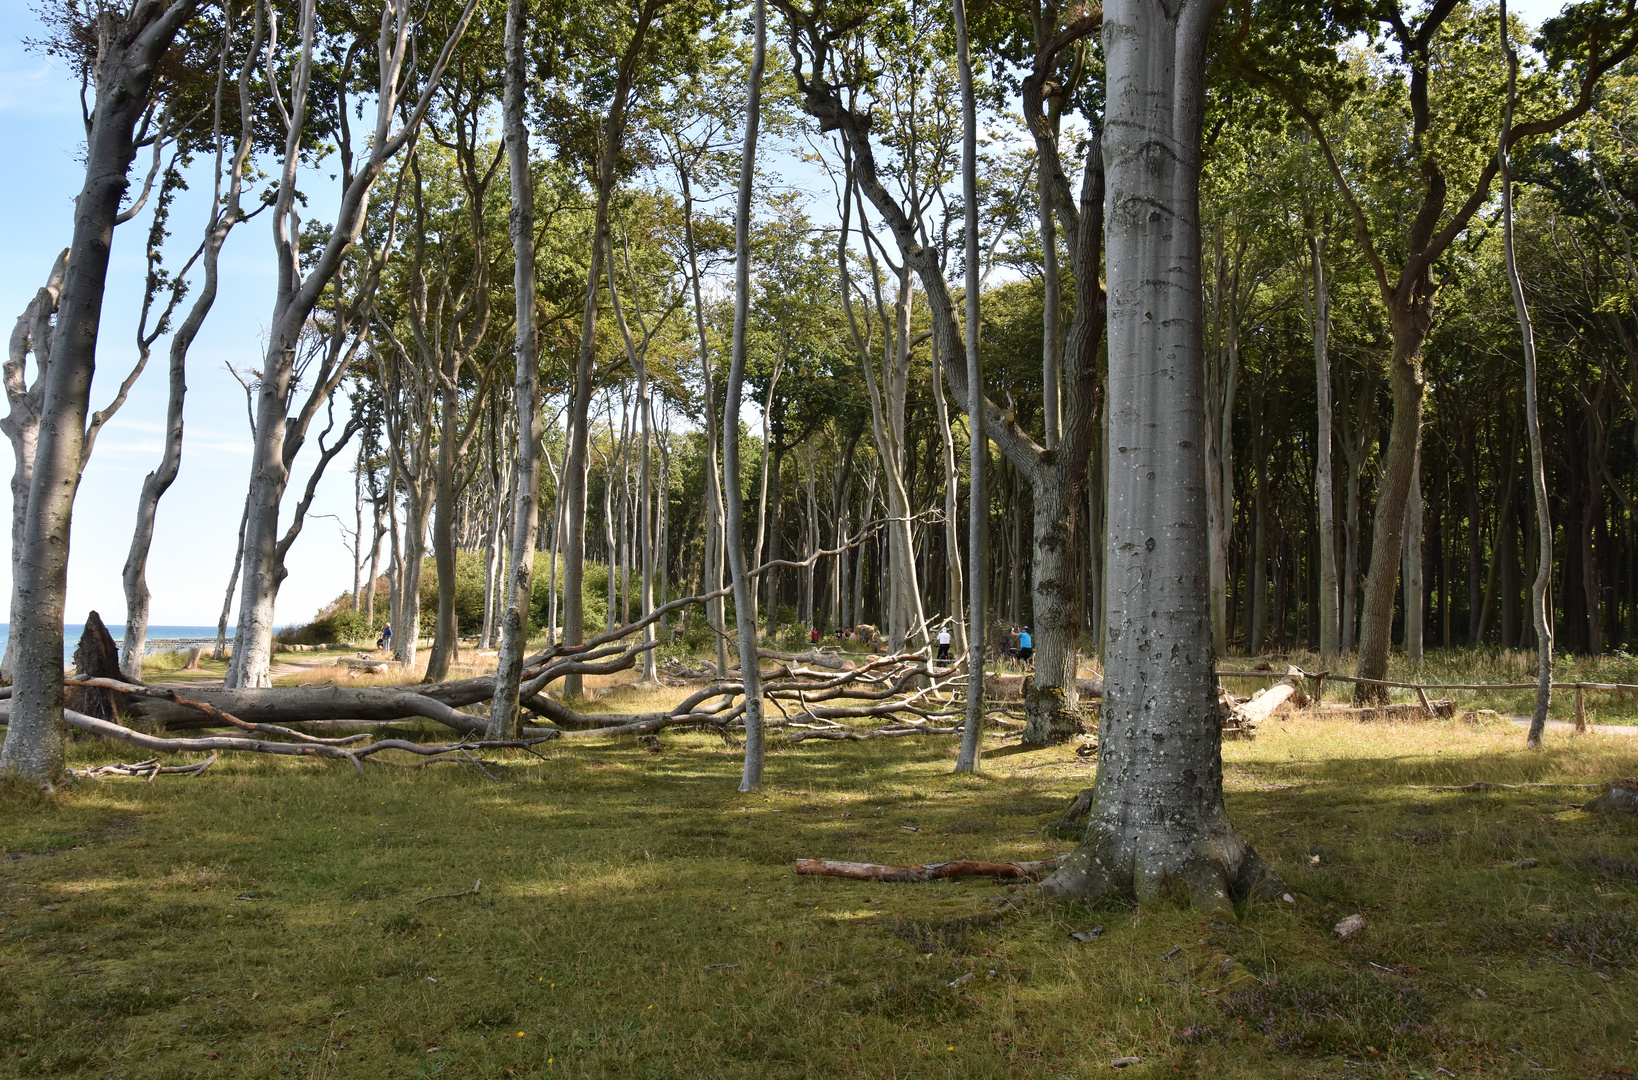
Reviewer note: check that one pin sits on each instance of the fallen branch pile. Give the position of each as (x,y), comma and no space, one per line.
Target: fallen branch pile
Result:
(906,692)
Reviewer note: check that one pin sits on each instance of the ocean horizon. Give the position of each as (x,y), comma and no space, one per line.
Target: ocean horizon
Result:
(160,637)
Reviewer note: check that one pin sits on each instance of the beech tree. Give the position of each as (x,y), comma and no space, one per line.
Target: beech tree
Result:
(304,279)
(130,43)
(1158,825)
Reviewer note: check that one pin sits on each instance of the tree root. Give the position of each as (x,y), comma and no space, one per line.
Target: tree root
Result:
(1210,873)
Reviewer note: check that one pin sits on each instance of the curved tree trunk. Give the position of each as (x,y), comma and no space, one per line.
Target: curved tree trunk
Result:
(1540,598)
(1158,826)
(967,759)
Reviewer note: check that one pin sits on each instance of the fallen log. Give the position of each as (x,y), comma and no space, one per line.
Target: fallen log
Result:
(929,872)
(816,657)
(1263,703)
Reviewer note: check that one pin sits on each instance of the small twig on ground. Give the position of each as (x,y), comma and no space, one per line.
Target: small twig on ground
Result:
(929,872)
(473,891)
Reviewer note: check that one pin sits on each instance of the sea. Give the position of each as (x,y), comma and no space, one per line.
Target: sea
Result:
(160,638)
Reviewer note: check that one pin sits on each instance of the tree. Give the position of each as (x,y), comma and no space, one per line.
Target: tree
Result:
(226,212)
(744,610)
(306,279)
(504,719)
(130,43)
(1158,825)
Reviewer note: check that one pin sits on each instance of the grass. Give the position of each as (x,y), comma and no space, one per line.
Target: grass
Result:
(638,918)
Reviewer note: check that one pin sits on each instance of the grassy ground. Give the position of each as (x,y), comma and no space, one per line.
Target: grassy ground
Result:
(637,918)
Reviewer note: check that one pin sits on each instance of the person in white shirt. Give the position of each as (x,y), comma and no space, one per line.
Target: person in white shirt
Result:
(944,643)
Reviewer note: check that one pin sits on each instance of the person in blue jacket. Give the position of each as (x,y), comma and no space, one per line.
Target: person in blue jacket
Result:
(1026,647)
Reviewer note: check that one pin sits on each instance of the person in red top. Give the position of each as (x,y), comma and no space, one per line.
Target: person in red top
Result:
(813,636)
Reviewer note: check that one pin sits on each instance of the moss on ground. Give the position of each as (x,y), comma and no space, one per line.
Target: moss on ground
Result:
(638,918)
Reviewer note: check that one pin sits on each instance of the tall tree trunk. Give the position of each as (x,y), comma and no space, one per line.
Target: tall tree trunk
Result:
(578,461)
(744,612)
(1410,319)
(32,334)
(715,610)
(504,717)
(446,644)
(967,758)
(130,43)
(1158,826)
(225,213)
(1324,485)
(1540,601)
(952,519)
(1411,572)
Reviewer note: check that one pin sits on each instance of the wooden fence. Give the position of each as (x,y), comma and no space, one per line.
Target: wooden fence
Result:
(1319,678)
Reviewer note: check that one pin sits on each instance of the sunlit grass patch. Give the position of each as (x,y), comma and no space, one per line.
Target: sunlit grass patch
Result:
(638,917)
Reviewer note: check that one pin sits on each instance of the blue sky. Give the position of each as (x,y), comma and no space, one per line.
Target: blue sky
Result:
(198,519)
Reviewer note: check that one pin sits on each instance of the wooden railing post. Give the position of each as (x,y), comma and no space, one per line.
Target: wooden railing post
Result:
(1580,710)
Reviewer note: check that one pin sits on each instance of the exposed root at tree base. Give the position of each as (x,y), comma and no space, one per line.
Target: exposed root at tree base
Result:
(1211,874)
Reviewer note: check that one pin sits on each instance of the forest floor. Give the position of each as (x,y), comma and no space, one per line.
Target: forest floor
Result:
(638,918)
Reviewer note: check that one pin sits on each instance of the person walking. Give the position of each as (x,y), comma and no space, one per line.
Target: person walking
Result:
(944,643)
(1026,648)
(1012,644)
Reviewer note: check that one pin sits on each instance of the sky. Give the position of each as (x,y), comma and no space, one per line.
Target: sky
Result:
(198,519)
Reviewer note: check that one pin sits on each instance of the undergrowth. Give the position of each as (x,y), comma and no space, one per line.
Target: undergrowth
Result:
(638,918)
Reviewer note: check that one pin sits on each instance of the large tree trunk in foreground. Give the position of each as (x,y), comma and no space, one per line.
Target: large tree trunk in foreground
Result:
(514,638)
(130,45)
(1158,826)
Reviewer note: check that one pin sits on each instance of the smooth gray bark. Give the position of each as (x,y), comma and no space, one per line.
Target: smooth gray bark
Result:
(578,458)
(130,43)
(504,717)
(715,611)
(1158,826)
(1410,571)
(1319,313)
(225,213)
(744,611)
(1540,586)
(31,335)
(967,759)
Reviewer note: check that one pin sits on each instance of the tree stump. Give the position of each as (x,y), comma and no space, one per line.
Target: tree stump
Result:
(96,657)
